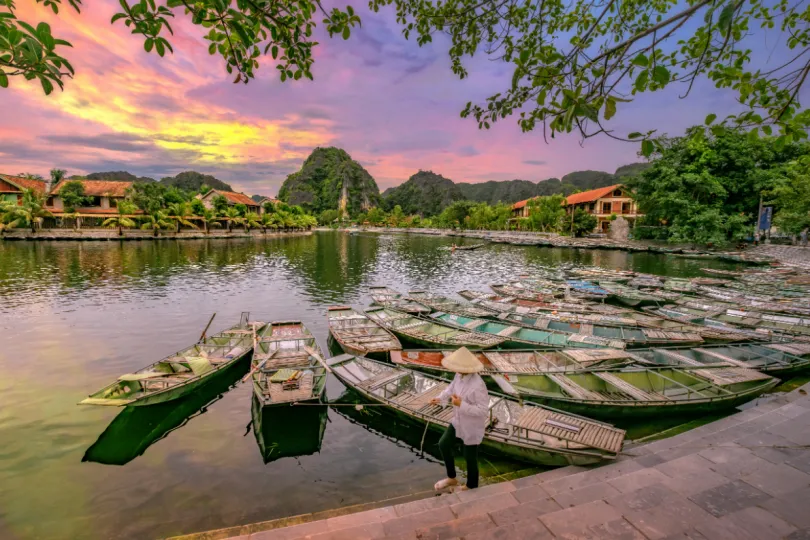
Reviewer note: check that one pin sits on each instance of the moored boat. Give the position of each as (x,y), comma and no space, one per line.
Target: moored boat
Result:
(287,365)
(517,290)
(291,431)
(630,296)
(430,333)
(585,289)
(521,431)
(357,334)
(390,298)
(181,373)
(442,303)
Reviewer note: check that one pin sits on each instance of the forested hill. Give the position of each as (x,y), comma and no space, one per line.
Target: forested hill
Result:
(192,180)
(425,193)
(115,176)
(329,180)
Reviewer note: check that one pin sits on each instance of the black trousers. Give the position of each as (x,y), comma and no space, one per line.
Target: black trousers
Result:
(447,446)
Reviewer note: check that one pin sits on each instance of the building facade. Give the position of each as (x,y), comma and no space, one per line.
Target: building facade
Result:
(12,187)
(233,199)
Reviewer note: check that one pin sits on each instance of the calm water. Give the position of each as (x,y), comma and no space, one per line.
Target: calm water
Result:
(74,316)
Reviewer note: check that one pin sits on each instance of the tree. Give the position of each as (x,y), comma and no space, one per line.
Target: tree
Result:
(268,221)
(72,195)
(197,207)
(209,219)
(584,222)
(791,197)
(252,221)
(32,210)
(57,175)
(220,204)
(241,208)
(547,214)
(327,217)
(233,216)
(269,208)
(9,217)
(148,196)
(180,212)
(155,222)
(125,209)
(705,187)
(455,214)
(376,216)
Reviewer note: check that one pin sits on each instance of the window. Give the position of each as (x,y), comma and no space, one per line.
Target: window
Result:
(592,209)
(95,201)
(113,203)
(605,207)
(49,202)
(617,193)
(626,208)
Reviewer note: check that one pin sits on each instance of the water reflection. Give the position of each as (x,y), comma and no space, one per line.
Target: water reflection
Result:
(288,430)
(137,428)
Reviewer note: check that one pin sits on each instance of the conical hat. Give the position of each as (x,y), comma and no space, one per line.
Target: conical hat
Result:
(462,361)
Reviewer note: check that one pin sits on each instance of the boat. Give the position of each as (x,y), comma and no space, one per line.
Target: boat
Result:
(387,297)
(468,247)
(429,332)
(181,373)
(781,360)
(630,296)
(626,390)
(733,274)
(505,304)
(442,303)
(135,429)
(287,365)
(646,281)
(631,337)
(597,273)
(357,334)
(737,298)
(292,431)
(522,431)
(516,336)
(679,285)
(770,322)
(544,286)
(586,289)
(517,290)
(709,281)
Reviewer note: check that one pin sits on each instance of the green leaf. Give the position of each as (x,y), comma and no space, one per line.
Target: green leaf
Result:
(641,60)
(46,85)
(641,81)
(634,135)
(726,17)
(610,107)
(148,44)
(524,56)
(647,147)
(159,47)
(346,32)
(274,51)
(239,29)
(3,79)
(661,75)
(117,16)
(710,118)
(212,48)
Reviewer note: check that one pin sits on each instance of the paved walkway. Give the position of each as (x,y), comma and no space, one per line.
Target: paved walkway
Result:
(797,255)
(744,477)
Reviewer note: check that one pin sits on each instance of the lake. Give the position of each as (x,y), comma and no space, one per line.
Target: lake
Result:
(76,315)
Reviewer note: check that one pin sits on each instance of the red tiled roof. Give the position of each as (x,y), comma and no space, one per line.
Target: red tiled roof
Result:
(268,199)
(98,188)
(233,198)
(520,204)
(24,183)
(592,195)
(93,211)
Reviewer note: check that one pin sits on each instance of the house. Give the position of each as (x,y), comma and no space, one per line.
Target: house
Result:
(104,197)
(233,199)
(265,200)
(12,187)
(601,202)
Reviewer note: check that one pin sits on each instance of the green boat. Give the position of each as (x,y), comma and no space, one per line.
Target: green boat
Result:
(181,373)
(430,333)
(781,360)
(518,290)
(387,297)
(679,285)
(781,323)
(601,391)
(506,304)
(516,336)
(357,334)
(292,431)
(632,337)
(287,365)
(448,305)
(521,431)
(630,296)
(135,429)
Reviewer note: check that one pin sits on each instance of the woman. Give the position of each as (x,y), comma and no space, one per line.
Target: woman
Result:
(470,399)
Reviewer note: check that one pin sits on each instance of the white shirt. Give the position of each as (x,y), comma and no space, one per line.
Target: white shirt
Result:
(470,419)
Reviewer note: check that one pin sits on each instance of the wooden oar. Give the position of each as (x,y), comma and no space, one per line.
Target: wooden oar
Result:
(207,326)
(258,366)
(313,353)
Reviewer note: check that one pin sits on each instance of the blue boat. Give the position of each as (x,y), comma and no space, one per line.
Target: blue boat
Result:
(586,289)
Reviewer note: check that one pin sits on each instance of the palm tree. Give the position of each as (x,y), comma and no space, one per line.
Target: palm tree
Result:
(8,216)
(121,220)
(252,221)
(209,219)
(32,210)
(180,212)
(268,220)
(233,216)
(158,220)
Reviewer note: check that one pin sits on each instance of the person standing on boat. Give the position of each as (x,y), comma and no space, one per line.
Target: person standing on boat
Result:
(470,399)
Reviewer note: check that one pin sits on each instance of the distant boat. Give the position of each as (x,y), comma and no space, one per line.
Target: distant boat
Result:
(525,432)
(357,334)
(181,373)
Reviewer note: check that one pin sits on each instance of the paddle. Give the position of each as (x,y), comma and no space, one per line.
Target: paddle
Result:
(312,352)
(258,366)
(207,326)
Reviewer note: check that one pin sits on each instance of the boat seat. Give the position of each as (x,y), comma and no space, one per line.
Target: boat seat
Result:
(625,387)
(573,389)
(381,379)
(721,357)
(568,428)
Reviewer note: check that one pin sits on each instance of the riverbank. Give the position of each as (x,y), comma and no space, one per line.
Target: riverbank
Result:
(137,234)
(746,476)
(760,255)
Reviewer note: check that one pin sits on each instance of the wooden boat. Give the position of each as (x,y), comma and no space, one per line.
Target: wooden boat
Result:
(679,285)
(709,281)
(630,296)
(766,303)
(442,303)
(387,297)
(468,247)
(784,324)
(357,334)
(525,432)
(544,286)
(646,281)
(603,391)
(516,336)
(709,330)
(781,360)
(517,290)
(292,431)
(597,273)
(430,333)
(631,337)
(506,304)
(733,274)
(181,373)
(287,365)
(586,290)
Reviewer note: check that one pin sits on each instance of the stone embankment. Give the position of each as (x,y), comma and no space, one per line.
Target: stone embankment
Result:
(744,477)
(112,234)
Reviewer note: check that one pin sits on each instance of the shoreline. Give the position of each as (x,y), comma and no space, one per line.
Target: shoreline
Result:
(110,235)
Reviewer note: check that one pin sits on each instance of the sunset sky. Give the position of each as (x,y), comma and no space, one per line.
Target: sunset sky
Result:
(394,106)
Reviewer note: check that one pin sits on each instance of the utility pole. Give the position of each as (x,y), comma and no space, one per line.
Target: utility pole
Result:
(572,220)
(756,222)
